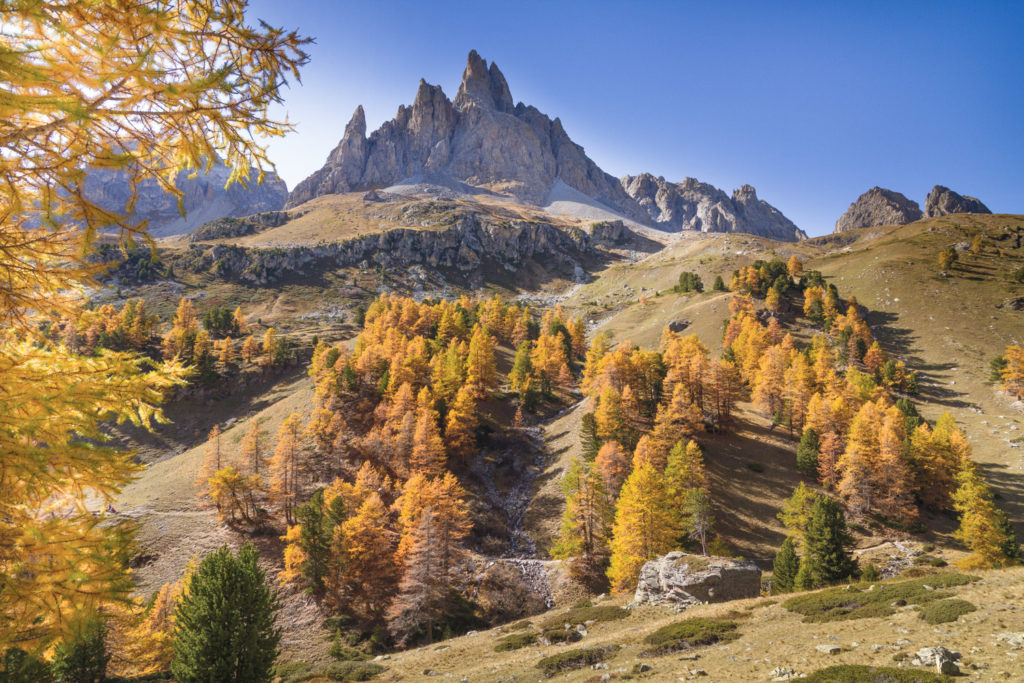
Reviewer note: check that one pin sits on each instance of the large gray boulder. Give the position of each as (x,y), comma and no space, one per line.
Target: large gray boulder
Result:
(682,580)
(879,206)
(943,201)
(693,205)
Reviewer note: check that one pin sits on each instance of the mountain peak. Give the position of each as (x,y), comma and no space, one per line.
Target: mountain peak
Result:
(484,87)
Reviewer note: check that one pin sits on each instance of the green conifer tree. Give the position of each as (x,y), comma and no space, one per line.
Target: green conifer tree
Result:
(807,453)
(589,438)
(224,622)
(785,568)
(826,543)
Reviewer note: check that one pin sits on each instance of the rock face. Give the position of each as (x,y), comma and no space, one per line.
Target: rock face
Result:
(483,139)
(693,205)
(205,198)
(683,580)
(469,244)
(879,206)
(943,201)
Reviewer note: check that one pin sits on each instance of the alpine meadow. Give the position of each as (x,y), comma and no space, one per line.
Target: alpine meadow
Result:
(437,397)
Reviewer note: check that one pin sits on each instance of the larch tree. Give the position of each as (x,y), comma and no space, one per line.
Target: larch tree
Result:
(643,527)
(146,90)
(250,349)
(428,452)
(983,527)
(859,461)
(613,464)
(213,461)
(796,512)
(285,466)
(461,424)
(829,453)
(180,341)
(699,520)
(586,522)
(1012,373)
(794,266)
(481,371)
(253,448)
(893,479)
(371,573)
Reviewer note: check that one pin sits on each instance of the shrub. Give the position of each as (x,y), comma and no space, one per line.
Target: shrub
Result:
(942,611)
(857,602)
(858,673)
(518,626)
(561,635)
(689,633)
(573,659)
(515,641)
(353,671)
(869,574)
(16,665)
(689,282)
(339,650)
(584,614)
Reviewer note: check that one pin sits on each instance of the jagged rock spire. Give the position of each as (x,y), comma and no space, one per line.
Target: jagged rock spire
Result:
(485,87)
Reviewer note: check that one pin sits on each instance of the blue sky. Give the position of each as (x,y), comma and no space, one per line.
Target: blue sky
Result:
(811,103)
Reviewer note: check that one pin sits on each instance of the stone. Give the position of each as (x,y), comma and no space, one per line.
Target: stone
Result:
(943,201)
(877,207)
(947,668)
(1014,639)
(682,580)
(934,656)
(693,205)
(828,649)
(782,673)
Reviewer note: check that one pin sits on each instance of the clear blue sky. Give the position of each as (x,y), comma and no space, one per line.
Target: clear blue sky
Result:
(812,103)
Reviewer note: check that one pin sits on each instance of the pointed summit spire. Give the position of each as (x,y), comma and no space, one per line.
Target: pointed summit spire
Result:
(485,88)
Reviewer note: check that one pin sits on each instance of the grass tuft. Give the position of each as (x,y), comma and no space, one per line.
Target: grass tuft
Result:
(515,642)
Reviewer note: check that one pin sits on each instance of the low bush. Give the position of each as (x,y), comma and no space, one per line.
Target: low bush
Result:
(562,635)
(857,602)
(687,634)
(515,641)
(353,671)
(857,673)
(573,660)
(518,626)
(943,611)
(581,615)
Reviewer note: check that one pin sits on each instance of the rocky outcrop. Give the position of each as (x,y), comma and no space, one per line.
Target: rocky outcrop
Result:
(681,580)
(468,244)
(879,206)
(205,199)
(228,226)
(482,139)
(943,201)
(693,205)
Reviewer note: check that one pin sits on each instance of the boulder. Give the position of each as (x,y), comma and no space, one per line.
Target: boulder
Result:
(943,201)
(682,580)
(879,206)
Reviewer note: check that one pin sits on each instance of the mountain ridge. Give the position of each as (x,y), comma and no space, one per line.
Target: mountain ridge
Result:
(485,140)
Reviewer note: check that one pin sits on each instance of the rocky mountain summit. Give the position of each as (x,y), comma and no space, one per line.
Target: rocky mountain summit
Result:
(943,201)
(484,140)
(879,206)
(206,198)
(693,205)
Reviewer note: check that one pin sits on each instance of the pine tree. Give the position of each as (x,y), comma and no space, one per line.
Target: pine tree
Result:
(826,543)
(589,439)
(316,528)
(82,657)
(224,622)
(643,527)
(807,453)
(785,567)
(521,375)
(285,465)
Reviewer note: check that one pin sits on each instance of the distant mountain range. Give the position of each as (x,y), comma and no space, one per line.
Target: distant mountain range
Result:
(486,142)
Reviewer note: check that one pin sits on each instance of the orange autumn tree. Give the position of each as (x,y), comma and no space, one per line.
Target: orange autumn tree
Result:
(1013,373)
(146,90)
(285,466)
(643,528)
